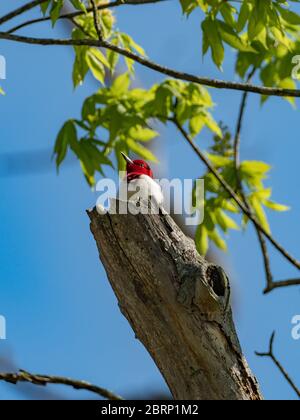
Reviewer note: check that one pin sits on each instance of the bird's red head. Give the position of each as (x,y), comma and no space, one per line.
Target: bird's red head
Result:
(136,168)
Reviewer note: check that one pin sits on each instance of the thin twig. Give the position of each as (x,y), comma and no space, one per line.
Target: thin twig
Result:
(43,380)
(270,284)
(237,138)
(73,15)
(75,23)
(266,258)
(281,283)
(234,196)
(271,355)
(240,189)
(220,84)
(20,10)
(97,23)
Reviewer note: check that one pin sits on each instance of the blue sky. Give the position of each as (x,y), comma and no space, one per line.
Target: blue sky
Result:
(62,317)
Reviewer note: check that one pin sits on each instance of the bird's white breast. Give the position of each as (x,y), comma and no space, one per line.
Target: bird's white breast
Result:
(142,188)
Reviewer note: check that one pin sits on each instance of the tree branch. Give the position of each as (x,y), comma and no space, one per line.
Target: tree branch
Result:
(96,20)
(235,197)
(271,355)
(236,148)
(220,84)
(270,284)
(43,380)
(281,283)
(20,10)
(175,301)
(237,138)
(73,15)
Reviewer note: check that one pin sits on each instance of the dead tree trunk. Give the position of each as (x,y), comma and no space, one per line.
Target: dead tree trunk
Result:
(177,304)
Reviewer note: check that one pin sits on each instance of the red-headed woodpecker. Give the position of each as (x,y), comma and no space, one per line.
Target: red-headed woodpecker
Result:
(139,183)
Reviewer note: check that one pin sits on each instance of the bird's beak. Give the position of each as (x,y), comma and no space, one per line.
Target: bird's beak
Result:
(128,160)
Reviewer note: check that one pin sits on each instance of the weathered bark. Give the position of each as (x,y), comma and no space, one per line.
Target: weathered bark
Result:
(177,305)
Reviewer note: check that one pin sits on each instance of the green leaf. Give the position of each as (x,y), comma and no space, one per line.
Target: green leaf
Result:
(288,15)
(275,206)
(55,10)
(79,5)
(196,124)
(189,5)
(257,19)
(139,133)
(263,194)
(209,219)
(225,221)
(162,103)
(231,38)
(120,85)
(205,44)
(44,6)
(88,108)
(66,136)
(95,155)
(140,150)
(259,213)
(201,240)
(217,239)
(253,166)
(210,28)
(230,206)
(130,44)
(107,21)
(211,183)
(288,83)
(212,125)
(113,57)
(96,66)
(243,16)
(99,56)
(228,12)
(253,173)
(80,67)
(219,161)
